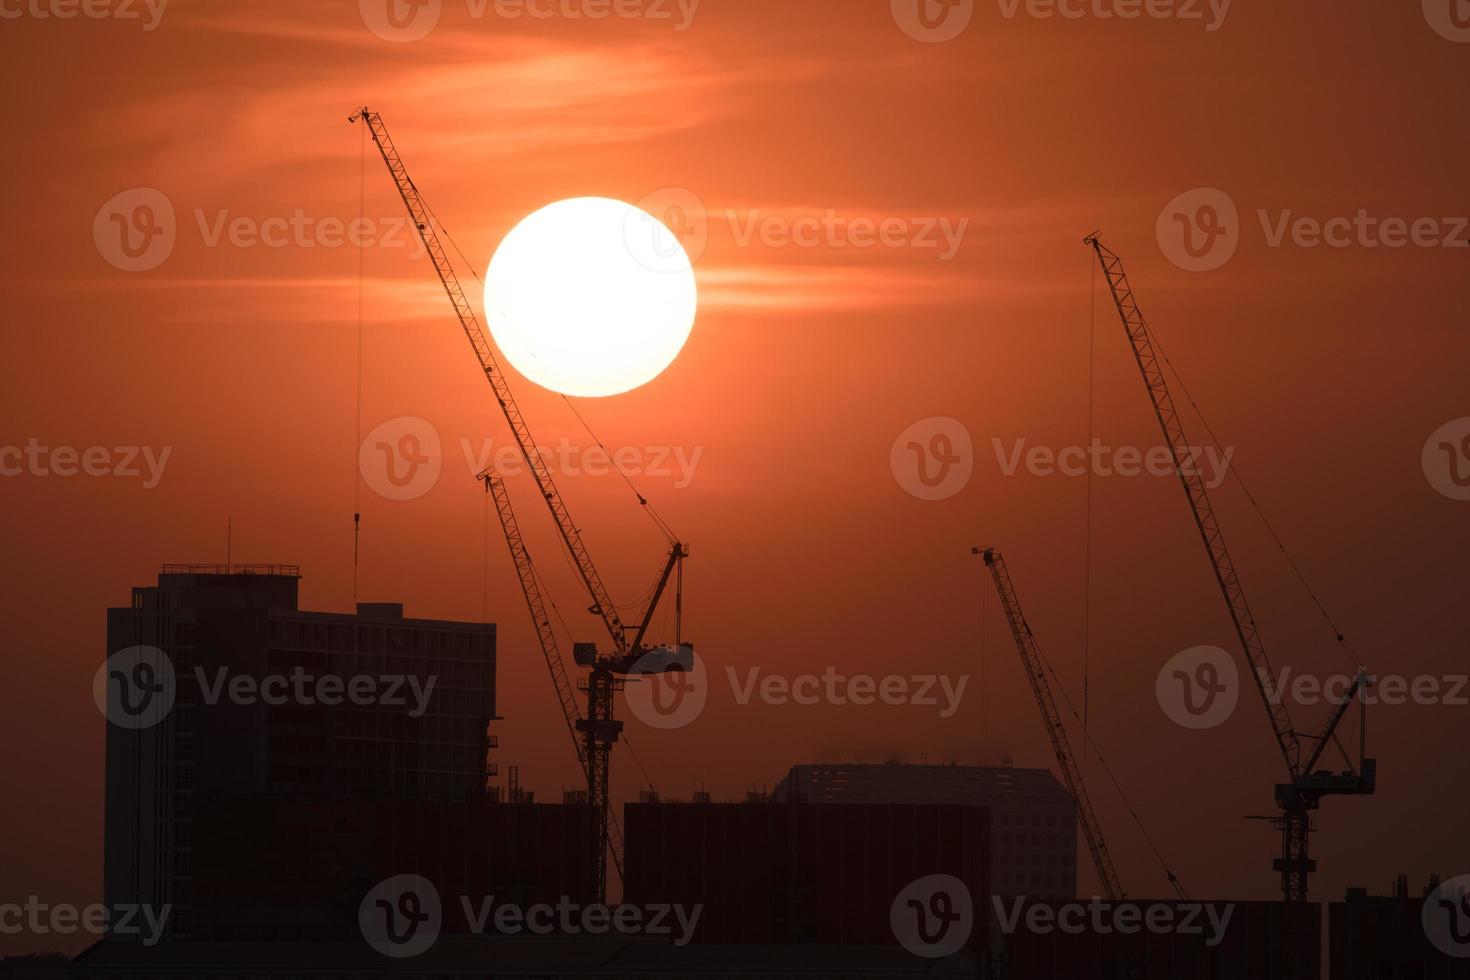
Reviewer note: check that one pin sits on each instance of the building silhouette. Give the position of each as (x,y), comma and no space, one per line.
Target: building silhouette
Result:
(1033,821)
(827,873)
(306,756)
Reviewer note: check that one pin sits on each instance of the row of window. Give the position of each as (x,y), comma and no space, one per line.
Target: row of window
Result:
(304,635)
(1037,840)
(1033,881)
(1033,820)
(1034,858)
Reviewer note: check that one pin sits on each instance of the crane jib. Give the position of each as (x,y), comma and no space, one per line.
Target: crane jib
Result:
(422,218)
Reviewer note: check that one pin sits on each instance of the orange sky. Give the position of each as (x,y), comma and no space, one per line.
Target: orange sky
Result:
(1326,369)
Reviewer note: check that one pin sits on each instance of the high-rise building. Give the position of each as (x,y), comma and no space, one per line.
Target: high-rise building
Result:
(1033,821)
(245,704)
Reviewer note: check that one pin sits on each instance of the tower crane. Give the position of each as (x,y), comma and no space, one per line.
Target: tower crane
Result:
(1030,653)
(1300,751)
(605,673)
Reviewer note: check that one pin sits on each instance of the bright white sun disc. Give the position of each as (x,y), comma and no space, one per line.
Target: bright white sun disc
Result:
(590,296)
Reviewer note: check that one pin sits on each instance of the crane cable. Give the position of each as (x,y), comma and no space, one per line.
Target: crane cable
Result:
(1087,546)
(1345,647)
(1255,505)
(648,508)
(357,445)
(653,514)
(1087,739)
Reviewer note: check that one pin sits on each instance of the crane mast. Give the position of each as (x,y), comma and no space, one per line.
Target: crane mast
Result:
(1030,652)
(531,589)
(1304,789)
(550,651)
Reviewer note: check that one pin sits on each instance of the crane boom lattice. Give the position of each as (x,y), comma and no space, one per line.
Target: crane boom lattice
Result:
(423,220)
(1031,659)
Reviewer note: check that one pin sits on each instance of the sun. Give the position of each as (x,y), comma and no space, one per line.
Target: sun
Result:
(590,296)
